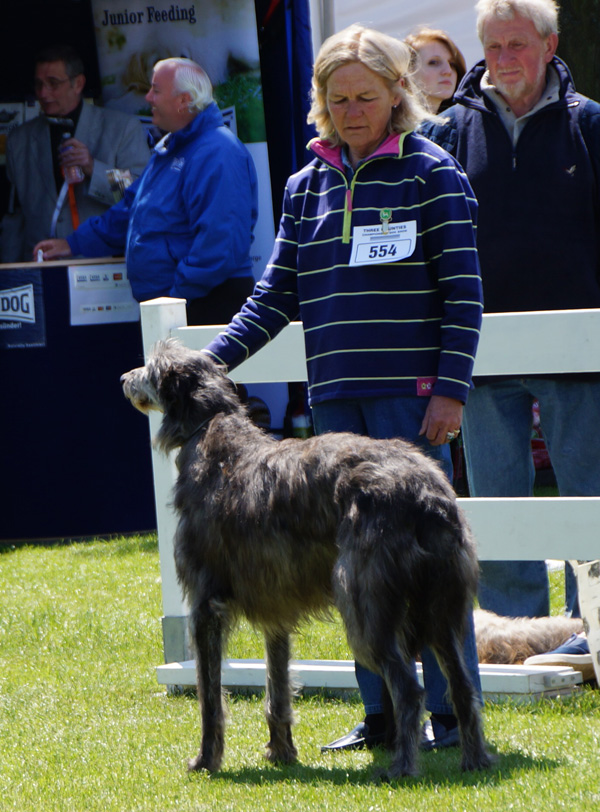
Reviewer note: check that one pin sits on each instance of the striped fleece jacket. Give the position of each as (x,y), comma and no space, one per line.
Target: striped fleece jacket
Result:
(407,327)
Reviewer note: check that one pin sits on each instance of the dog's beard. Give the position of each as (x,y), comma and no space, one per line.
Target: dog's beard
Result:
(137,395)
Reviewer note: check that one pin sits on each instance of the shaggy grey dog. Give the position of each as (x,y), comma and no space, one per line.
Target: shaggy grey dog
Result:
(279,531)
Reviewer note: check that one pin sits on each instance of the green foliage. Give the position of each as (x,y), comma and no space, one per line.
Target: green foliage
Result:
(244,92)
(85,727)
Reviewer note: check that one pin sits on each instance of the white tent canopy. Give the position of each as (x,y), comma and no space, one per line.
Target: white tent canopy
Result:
(398,18)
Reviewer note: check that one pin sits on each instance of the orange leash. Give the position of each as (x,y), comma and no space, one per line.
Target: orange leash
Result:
(73,207)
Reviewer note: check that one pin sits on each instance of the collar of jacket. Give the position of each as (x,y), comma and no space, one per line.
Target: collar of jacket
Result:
(208,119)
(469,94)
(390,147)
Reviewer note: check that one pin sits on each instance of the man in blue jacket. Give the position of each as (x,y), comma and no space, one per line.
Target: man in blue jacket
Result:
(530,145)
(186,225)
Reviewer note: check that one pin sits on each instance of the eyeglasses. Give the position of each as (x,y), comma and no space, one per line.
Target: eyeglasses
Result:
(51,84)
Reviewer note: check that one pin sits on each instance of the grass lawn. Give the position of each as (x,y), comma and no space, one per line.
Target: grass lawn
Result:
(85,727)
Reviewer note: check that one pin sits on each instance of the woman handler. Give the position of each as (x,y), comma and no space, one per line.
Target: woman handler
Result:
(376,255)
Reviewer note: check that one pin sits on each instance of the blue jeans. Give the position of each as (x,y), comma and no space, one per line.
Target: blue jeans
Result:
(384,418)
(497,430)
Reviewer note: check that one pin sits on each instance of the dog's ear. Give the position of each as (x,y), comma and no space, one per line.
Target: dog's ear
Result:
(175,390)
(191,390)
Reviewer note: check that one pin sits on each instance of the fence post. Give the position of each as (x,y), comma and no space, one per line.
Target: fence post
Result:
(159,318)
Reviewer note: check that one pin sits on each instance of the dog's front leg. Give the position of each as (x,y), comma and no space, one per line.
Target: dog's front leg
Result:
(278,704)
(207,631)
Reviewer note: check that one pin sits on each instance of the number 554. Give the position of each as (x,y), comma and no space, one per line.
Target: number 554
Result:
(382,251)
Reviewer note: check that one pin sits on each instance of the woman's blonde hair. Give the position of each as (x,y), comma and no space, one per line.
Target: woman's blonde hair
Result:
(386,56)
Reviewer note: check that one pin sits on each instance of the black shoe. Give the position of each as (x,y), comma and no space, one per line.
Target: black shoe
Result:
(435,736)
(358,738)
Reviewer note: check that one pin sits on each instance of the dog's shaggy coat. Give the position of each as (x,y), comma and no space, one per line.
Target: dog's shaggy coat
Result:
(280,530)
(511,640)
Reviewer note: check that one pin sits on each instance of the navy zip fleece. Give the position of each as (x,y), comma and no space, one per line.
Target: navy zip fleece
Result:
(538,228)
(402,328)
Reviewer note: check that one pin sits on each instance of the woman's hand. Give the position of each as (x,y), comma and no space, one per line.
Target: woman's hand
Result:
(443,417)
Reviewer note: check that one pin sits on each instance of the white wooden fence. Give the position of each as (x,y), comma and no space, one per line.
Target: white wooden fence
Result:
(505,528)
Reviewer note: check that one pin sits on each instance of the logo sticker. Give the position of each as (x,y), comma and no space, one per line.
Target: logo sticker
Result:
(425,386)
(18,304)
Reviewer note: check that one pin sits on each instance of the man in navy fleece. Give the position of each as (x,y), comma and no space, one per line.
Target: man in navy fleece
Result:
(530,145)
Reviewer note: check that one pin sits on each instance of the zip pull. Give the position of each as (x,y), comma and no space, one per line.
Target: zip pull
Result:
(347,217)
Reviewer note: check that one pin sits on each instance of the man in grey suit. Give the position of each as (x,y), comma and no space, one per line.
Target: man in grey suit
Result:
(39,151)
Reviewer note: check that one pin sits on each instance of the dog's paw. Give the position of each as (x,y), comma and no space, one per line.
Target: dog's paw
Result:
(286,754)
(202,763)
(479,761)
(394,773)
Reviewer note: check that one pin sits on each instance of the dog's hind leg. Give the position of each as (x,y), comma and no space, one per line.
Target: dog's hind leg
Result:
(207,630)
(406,698)
(370,615)
(465,700)
(278,700)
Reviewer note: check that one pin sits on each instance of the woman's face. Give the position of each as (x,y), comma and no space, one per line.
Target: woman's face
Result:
(360,105)
(436,73)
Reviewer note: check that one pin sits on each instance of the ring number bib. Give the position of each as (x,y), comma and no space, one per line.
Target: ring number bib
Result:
(376,244)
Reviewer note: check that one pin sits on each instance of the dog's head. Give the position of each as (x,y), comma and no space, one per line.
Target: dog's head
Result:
(186,385)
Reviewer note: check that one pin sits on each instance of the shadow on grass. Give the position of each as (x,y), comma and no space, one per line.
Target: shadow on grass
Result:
(437,770)
(94,546)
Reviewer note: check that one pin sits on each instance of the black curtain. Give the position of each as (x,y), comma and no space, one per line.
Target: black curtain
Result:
(286,61)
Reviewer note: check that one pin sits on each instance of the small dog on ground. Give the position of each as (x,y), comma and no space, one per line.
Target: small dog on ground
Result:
(511,640)
(279,530)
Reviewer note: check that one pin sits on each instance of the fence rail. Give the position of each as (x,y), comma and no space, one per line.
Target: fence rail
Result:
(547,342)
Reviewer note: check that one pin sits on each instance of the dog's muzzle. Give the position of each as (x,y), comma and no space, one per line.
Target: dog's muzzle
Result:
(134,390)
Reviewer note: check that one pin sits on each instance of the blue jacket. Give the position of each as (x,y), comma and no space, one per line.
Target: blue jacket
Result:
(186,224)
(408,327)
(538,231)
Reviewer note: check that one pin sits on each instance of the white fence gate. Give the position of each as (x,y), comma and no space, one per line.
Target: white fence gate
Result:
(505,528)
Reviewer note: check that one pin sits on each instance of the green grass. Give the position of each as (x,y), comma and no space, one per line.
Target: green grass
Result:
(85,727)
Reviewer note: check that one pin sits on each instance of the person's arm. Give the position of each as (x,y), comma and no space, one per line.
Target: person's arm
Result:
(52,249)
(449,228)
(131,152)
(450,238)
(122,146)
(589,123)
(97,237)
